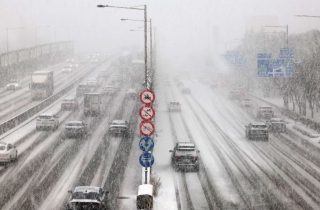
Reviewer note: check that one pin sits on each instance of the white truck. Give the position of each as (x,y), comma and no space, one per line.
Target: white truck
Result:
(92,104)
(42,84)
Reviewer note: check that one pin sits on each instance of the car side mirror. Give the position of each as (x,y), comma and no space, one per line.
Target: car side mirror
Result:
(198,150)
(70,191)
(170,151)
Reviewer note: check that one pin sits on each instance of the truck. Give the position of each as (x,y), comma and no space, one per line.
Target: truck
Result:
(41,84)
(92,104)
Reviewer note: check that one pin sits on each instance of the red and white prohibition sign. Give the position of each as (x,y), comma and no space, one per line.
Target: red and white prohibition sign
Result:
(146,128)
(146,113)
(147,97)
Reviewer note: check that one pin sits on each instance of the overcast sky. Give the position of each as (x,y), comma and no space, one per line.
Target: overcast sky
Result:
(185,27)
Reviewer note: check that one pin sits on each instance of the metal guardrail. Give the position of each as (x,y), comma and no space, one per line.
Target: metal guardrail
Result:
(17,120)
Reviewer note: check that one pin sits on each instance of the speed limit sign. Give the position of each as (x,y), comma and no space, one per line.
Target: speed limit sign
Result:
(146,128)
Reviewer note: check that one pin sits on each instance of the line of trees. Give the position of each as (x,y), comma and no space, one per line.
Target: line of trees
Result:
(302,90)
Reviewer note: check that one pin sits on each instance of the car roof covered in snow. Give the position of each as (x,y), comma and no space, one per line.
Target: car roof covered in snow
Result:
(46,114)
(87,189)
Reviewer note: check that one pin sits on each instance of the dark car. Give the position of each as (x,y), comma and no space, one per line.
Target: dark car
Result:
(185,156)
(276,125)
(258,130)
(76,129)
(69,103)
(87,197)
(82,89)
(119,128)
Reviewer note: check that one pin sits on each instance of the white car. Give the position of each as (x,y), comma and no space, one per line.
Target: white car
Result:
(14,84)
(67,69)
(132,94)
(8,152)
(92,82)
(103,73)
(108,90)
(47,121)
(174,107)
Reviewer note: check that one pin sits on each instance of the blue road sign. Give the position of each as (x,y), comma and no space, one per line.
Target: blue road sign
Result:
(146,144)
(264,55)
(286,53)
(235,58)
(146,159)
(276,68)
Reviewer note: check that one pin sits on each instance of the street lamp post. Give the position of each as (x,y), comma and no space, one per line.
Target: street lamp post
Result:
(37,43)
(150,21)
(8,36)
(286,26)
(145,36)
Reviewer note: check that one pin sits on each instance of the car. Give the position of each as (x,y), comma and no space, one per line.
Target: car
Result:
(276,125)
(257,130)
(69,60)
(47,121)
(174,107)
(69,103)
(87,197)
(14,84)
(92,82)
(108,90)
(234,95)
(82,89)
(74,65)
(77,129)
(185,156)
(186,90)
(132,94)
(246,102)
(265,111)
(179,83)
(67,69)
(119,128)
(8,152)
(213,85)
(118,78)
(103,73)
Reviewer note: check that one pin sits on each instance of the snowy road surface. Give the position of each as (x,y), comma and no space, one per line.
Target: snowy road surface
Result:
(235,173)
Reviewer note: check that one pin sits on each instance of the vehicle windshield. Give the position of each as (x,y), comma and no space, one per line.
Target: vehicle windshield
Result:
(74,124)
(13,81)
(45,117)
(2,147)
(259,126)
(268,108)
(90,195)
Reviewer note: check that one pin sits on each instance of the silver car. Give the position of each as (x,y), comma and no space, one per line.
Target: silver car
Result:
(119,127)
(47,121)
(8,152)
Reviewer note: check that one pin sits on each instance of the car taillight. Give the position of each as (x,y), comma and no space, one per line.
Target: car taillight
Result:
(97,112)
(196,157)
(38,119)
(3,155)
(176,157)
(272,112)
(260,112)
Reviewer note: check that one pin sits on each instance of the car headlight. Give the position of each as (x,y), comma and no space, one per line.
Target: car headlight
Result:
(8,85)
(16,85)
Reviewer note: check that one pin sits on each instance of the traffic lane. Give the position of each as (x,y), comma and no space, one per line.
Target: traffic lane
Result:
(263,147)
(70,178)
(19,104)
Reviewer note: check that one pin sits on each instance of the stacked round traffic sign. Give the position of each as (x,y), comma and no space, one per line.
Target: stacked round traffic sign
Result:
(146,127)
